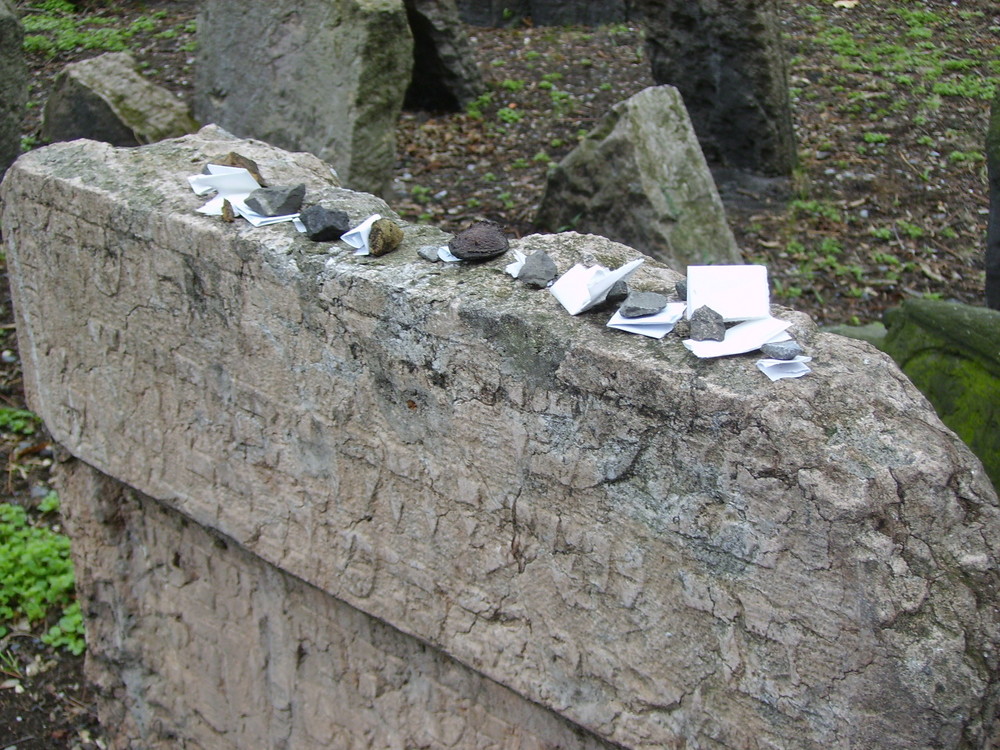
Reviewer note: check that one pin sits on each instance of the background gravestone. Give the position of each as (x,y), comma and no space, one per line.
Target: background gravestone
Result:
(729,64)
(13,84)
(640,178)
(445,75)
(325,76)
(105,99)
(993,229)
(545,12)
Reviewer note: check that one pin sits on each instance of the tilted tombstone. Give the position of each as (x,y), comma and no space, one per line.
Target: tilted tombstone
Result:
(640,178)
(325,76)
(728,62)
(105,99)
(363,494)
(445,75)
(13,84)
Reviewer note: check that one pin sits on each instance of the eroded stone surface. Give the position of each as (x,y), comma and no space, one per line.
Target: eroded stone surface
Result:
(664,550)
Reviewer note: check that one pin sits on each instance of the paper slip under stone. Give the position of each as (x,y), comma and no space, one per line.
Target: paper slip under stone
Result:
(741,338)
(580,288)
(776,369)
(735,292)
(233,184)
(655,326)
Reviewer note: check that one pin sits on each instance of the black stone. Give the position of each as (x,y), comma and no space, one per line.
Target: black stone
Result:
(707,325)
(324,224)
(277,201)
(681,287)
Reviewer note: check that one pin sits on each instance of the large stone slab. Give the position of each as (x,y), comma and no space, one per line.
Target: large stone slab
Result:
(105,99)
(662,550)
(640,178)
(326,76)
(728,61)
(993,228)
(13,84)
(229,652)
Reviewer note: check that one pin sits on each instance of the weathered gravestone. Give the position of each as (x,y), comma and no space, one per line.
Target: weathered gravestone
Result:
(952,353)
(728,62)
(105,99)
(993,229)
(326,500)
(640,178)
(324,76)
(545,12)
(445,75)
(13,84)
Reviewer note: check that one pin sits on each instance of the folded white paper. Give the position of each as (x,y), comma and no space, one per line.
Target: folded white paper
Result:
(447,255)
(233,184)
(581,287)
(735,292)
(745,337)
(514,269)
(776,369)
(358,236)
(655,326)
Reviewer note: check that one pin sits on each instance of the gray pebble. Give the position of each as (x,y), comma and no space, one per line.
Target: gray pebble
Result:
(429,252)
(707,325)
(277,201)
(783,350)
(639,304)
(681,287)
(538,270)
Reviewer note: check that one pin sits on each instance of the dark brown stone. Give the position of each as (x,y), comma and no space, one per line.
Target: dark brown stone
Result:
(232,159)
(481,241)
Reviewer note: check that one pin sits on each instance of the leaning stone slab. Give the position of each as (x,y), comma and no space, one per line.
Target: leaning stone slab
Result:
(658,550)
(13,84)
(640,178)
(325,77)
(105,99)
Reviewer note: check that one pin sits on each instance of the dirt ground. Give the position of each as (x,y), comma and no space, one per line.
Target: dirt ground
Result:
(889,201)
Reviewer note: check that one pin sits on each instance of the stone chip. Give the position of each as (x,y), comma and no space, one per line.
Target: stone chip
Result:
(277,201)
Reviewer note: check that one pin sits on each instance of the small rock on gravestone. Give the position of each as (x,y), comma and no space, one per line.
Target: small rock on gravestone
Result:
(538,270)
(385,236)
(681,287)
(639,304)
(277,201)
(233,159)
(481,241)
(324,224)
(783,350)
(429,252)
(618,293)
(707,325)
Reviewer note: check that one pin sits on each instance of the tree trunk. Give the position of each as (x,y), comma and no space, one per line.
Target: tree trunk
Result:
(993,230)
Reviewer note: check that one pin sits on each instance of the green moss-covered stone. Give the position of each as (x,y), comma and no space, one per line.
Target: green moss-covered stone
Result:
(951,352)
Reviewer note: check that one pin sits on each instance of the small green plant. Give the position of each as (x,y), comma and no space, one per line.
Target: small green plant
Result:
(871,137)
(475,108)
(542,158)
(510,116)
(816,209)
(489,177)
(36,577)
(421,193)
(506,199)
(881,233)
(520,163)
(910,230)
(18,421)
(512,85)
(962,157)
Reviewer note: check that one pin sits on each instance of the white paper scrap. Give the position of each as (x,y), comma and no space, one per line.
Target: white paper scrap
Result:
(446,255)
(742,338)
(776,369)
(735,292)
(514,269)
(655,326)
(225,180)
(581,287)
(358,236)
